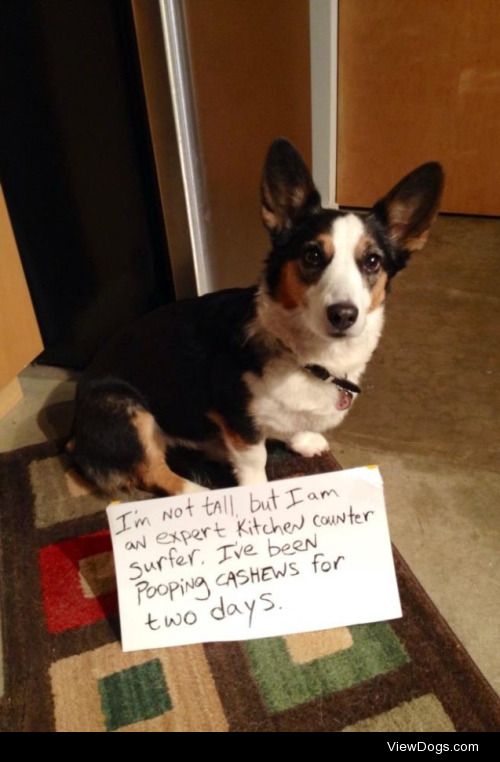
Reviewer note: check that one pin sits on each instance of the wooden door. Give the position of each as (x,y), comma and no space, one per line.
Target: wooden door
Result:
(20,339)
(250,69)
(420,80)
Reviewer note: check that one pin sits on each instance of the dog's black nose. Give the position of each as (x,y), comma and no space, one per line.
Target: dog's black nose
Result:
(342,315)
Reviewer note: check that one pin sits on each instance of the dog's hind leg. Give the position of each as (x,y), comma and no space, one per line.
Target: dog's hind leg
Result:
(153,473)
(117,443)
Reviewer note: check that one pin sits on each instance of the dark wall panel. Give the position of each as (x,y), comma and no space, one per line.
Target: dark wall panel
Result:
(78,173)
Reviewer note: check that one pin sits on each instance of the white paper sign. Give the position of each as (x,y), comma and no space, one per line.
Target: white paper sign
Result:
(296,555)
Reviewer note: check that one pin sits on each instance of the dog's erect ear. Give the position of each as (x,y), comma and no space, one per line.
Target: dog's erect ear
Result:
(288,191)
(409,209)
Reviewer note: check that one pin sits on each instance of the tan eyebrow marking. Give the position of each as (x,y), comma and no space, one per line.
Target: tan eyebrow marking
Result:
(327,244)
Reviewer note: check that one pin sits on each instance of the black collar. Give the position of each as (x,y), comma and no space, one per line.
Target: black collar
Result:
(319,371)
(343,383)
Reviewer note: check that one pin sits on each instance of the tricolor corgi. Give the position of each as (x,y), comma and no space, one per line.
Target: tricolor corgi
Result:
(282,360)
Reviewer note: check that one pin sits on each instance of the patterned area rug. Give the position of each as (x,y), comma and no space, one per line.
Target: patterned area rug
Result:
(63,668)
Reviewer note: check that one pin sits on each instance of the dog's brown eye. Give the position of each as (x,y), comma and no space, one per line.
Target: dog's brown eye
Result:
(312,257)
(372,263)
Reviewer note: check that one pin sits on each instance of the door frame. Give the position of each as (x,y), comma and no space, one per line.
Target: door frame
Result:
(323,16)
(182,102)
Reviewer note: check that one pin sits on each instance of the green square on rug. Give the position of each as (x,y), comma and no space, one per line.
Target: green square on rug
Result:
(134,694)
(284,684)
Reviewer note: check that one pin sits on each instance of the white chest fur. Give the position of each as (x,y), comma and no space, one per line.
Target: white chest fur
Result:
(286,399)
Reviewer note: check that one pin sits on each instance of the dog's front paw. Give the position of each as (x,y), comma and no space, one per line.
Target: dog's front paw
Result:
(189,488)
(308,444)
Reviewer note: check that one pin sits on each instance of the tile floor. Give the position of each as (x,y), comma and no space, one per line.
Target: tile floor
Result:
(429,415)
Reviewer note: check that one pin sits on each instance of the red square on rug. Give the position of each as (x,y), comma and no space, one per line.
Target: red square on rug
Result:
(66,597)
